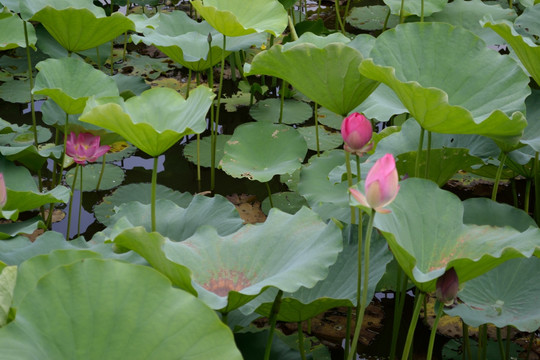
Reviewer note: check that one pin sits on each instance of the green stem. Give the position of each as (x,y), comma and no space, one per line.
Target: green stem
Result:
(188,84)
(508,341)
(269,194)
(402,12)
(536,169)
(466,342)
(527,195)
(80,204)
(225,318)
(112,57)
(282,99)
(294,35)
(301,342)
(317,129)
(125,34)
(98,59)
(514,193)
(434,330)
(399,303)
(319,10)
(348,333)
(428,154)
(101,173)
(422,11)
(273,319)
(71,202)
(212,134)
(498,177)
(338,18)
(199,185)
(349,182)
(529,348)
(482,342)
(385,24)
(153,196)
(501,346)
(419,153)
(412,326)
(365,283)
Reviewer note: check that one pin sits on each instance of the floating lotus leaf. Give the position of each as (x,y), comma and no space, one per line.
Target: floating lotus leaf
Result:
(112,177)
(84,294)
(80,28)
(246,153)
(415,7)
(451,89)
(12,32)
(330,77)
(294,111)
(178,223)
(288,201)
(153,121)
(327,140)
(234,18)
(205,146)
(185,40)
(339,287)
(286,252)
(429,237)
(527,51)
(17,91)
(506,295)
(329,118)
(22,191)
(70,82)
(12,229)
(372,18)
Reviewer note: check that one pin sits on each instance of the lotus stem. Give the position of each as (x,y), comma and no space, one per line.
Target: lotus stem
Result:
(536,168)
(412,326)
(301,341)
(402,12)
(348,333)
(112,57)
(188,83)
(125,34)
(294,35)
(385,24)
(527,195)
(428,154)
(269,194)
(282,99)
(365,282)
(199,185)
(500,342)
(514,193)
(317,129)
(213,128)
(216,122)
(399,303)
(498,177)
(466,342)
(434,329)
(71,202)
(80,204)
(419,153)
(422,10)
(529,347)
(349,181)
(273,319)
(507,353)
(103,162)
(319,10)
(153,196)
(338,18)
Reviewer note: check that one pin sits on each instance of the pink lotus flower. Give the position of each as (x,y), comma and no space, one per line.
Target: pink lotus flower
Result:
(3,191)
(381,185)
(85,147)
(447,287)
(356,131)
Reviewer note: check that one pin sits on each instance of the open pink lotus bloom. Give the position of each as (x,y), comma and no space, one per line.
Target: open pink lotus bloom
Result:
(381,187)
(3,191)
(356,131)
(85,147)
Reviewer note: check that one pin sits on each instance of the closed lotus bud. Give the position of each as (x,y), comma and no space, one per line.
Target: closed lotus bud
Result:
(356,131)
(447,287)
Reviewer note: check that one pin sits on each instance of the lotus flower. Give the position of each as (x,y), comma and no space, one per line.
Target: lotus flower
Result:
(447,287)
(85,147)
(381,186)
(356,131)
(3,191)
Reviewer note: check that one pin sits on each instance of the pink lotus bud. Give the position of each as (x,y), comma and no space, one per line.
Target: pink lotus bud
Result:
(381,187)
(356,131)
(3,191)
(84,147)
(447,287)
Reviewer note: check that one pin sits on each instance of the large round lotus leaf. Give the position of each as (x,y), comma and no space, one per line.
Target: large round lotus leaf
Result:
(326,140)
(70,82)
(288,201)
(12,33)
(483,211)
(468,15)
(429,237)
(286,252)
(185,40)
(30,7)
(330,77)
(415,7)
(234,18)
(81,29)
(445,87)
(294,111)
(136,192)
(339,287)
(246,154)
(190,150)
(178,223)
(329,118)
(138,313)
(23,193)
(153,121)
(527,51)
(17,91)
(506,295)
(112,177)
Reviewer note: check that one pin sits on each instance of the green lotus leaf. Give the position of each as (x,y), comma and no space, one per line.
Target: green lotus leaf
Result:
(132,85)
(12,229)
(8,278)
(429,237)
(372,18)
(527,51)
(17,91)
(178,223)
(185,40)
(330,77)
(327,140)
(112,177)
(234,18)
(153,121)
(294,111)
(22,191)
(445,87)
(330,118)
(531,136)
(415,7)
(483,211)
(527,23)
(70,82)
(205,153)
(288,201)
(29,8)
(81,29)
(12,33)
(339,287)
(286,252)
(503,296)
(381,104)
(84,294)
(31,157)
(246,153)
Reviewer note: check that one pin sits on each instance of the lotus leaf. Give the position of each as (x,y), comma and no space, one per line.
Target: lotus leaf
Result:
(287,252)
(234,18)
(326,140)
(8,278)
(294,111)
(415,7)
(333,80)
(531,135)
(445,87)
(111,176)
(205,149)
(153,121)
(12,229)
(17,91)
(12,32)
(429,237)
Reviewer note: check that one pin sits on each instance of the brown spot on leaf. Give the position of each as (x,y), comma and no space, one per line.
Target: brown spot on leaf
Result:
(227,280)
